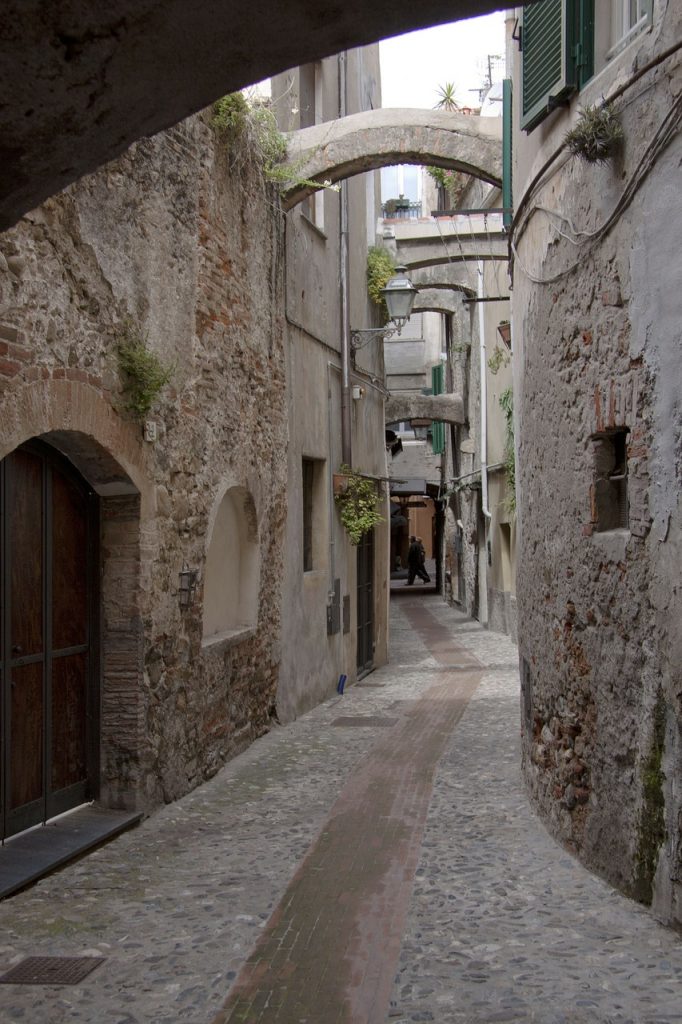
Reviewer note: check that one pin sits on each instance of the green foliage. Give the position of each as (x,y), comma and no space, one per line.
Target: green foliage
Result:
(230,114)
(380,269)
(507,406)
(236,117)
(498,359)
(446,97)
(358,505)
(597,134)
(652,831)
(143,373)
(454,182)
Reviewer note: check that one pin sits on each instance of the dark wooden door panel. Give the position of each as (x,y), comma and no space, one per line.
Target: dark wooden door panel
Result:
(26,735)
(47,669)
(69,560)
(69,708)
(25,553)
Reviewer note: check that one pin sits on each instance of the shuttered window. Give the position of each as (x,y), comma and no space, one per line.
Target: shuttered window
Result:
(507,128)
(437,428)
(557,55)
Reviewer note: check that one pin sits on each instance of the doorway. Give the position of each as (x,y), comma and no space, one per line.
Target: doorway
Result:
(49,692)
(365,604)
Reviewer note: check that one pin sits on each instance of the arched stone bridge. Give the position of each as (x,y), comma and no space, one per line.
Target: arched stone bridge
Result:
(379,138)
(446,408)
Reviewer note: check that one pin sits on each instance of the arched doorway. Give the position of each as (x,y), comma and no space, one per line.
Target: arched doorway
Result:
(49,730)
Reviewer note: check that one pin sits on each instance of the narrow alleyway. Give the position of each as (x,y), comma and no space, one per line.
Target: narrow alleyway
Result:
(376,861)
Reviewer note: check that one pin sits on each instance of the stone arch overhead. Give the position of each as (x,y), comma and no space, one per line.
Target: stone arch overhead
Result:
(66,409)
(458,275)
(378,138)
(439,300)
(446,408)
(81,82)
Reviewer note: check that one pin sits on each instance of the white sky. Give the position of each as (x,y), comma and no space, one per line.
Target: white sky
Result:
(413,66)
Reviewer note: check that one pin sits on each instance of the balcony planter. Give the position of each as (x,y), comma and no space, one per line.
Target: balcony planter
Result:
(504,331)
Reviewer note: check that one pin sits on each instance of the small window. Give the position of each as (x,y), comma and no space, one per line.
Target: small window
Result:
(628,19)
(308,496)
(611,481)
(314,514)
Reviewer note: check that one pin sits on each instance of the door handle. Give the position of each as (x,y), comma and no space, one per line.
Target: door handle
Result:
(17,649)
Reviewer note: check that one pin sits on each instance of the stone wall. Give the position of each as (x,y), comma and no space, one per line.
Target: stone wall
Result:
(179,241)
(600,618)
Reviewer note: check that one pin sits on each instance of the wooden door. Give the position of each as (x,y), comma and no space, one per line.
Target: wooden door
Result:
(365,604)
(47,656)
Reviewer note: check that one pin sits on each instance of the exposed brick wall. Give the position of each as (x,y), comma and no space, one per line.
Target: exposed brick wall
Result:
(182,238)
(599,610)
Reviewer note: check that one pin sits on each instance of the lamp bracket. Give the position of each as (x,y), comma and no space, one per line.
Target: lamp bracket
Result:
(360,337)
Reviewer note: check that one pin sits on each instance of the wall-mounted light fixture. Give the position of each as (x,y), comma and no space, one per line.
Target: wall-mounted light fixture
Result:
(188,586)
(399,295)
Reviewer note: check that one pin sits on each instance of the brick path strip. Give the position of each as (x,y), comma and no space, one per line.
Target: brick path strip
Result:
(330,950)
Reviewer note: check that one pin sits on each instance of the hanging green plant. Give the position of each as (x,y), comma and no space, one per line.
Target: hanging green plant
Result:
(380,269)
(498,359)
(596,135)
(143,373)
(358,505)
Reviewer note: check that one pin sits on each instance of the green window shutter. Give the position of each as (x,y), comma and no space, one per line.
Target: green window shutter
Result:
(583,41)
(437,428)
(547,67)
(507,197)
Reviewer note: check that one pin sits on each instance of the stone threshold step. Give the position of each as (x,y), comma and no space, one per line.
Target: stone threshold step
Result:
(31,855)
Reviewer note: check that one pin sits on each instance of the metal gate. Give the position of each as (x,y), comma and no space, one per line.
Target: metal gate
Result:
(48,657)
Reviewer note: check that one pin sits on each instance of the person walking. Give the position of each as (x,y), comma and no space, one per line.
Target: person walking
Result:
(413,561)
(421,571)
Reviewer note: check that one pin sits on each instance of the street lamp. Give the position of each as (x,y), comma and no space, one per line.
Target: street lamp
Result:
(399,295)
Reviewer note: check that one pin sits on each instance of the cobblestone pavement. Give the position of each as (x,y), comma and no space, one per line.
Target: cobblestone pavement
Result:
(401,853)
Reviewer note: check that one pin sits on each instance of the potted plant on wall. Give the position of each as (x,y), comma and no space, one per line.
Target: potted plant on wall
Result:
(358,503)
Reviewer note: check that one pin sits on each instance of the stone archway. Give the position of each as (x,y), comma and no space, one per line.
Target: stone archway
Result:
(378,138)
(72,419)
(82,82)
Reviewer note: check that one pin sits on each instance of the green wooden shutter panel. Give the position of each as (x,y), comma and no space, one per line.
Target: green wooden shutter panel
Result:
(437,428)
(507,196)
(547,66)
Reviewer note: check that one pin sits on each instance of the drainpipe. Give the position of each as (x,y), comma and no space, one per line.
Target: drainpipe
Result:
(330,444)
(484,396)
(346,401)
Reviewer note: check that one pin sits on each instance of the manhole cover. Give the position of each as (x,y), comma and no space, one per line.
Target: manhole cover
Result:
(51,970)
(359,720)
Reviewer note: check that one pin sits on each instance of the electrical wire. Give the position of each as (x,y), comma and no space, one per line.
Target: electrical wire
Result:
(661,139)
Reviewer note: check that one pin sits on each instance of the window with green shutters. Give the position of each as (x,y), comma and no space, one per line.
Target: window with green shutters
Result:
(557,58)
(507,134)
(437,428)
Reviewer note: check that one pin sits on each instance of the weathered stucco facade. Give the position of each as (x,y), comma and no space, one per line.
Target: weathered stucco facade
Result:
(177,242)
(597,337)
(326,295)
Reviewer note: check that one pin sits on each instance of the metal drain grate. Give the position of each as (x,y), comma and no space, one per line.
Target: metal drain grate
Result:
(51,970)
(359,720)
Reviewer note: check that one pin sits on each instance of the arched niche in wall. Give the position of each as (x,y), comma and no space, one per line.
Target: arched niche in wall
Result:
(232,570)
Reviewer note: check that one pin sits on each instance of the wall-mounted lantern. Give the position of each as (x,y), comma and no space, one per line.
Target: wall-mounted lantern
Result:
(188,586)
(399,295)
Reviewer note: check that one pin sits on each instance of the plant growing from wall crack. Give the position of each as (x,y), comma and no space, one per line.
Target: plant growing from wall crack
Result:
(237,116)
(358,505)
(596,135)
(143,373)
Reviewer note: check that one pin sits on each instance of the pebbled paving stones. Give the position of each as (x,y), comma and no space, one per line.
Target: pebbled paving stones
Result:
(483,918)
